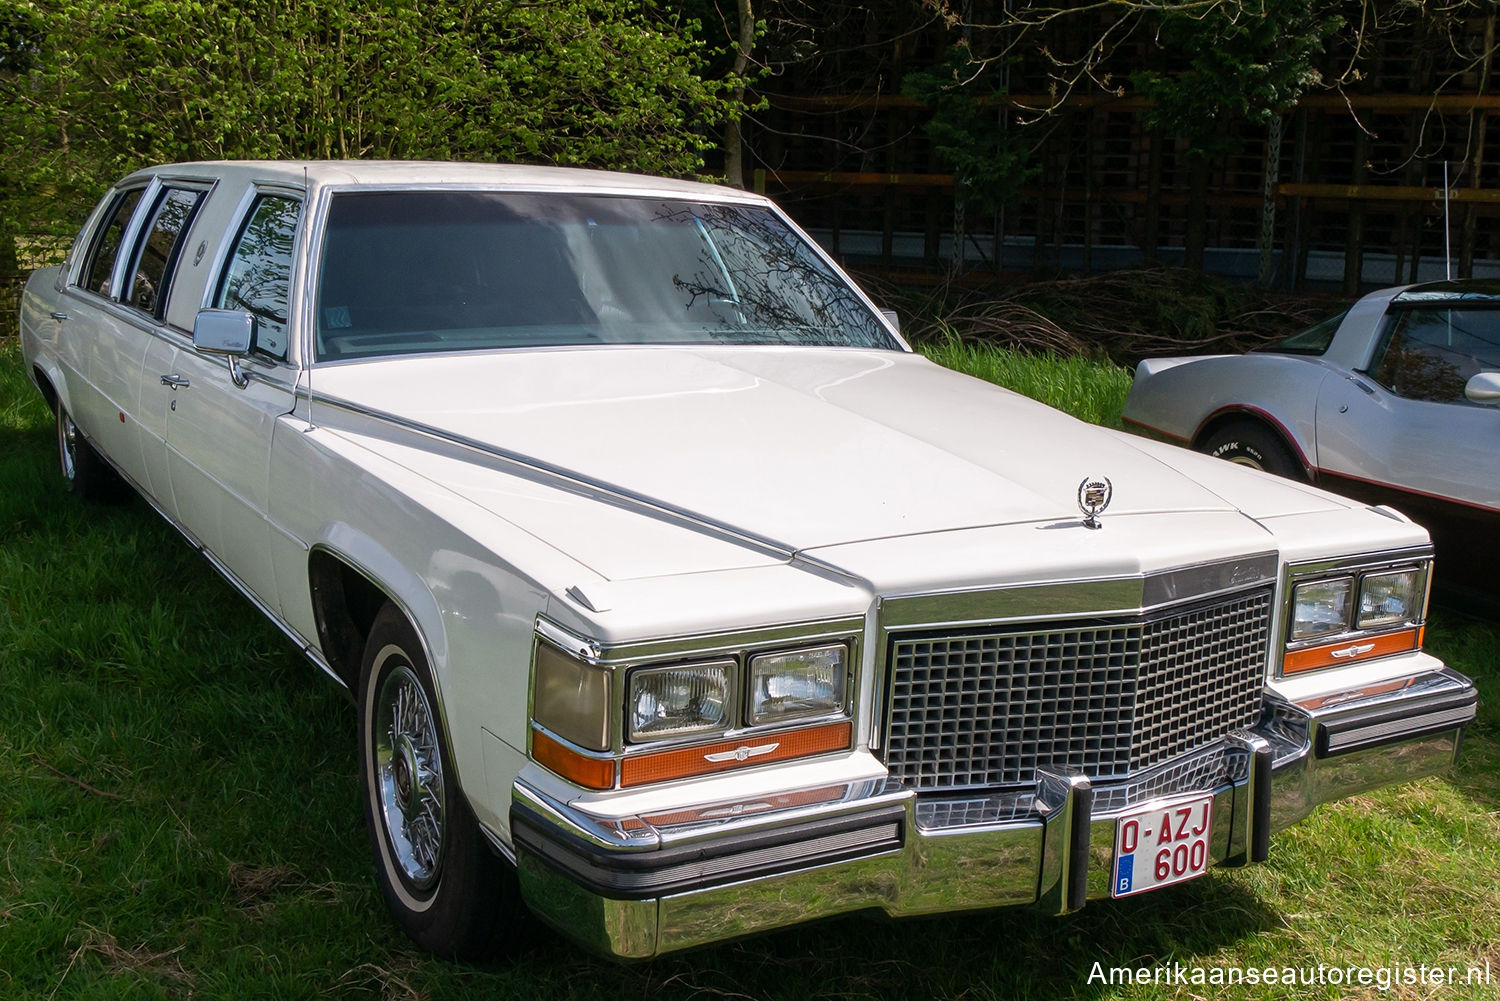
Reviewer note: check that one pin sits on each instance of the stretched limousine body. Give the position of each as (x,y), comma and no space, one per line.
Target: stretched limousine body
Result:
(680,599)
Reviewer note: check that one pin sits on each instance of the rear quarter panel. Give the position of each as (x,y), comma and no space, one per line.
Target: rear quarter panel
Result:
(1182,403)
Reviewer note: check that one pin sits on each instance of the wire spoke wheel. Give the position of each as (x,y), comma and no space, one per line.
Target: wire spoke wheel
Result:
(409,774)
(67,444)
(444,885)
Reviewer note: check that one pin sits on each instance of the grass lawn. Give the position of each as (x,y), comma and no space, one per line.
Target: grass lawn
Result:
(179,813)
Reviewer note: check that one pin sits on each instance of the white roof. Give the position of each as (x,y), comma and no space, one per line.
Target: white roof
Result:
(425,173)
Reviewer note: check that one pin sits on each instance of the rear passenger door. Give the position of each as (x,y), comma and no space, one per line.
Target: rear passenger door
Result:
(218,441)
(116,310)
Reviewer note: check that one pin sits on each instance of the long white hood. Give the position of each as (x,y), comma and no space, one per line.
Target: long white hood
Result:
(802,447)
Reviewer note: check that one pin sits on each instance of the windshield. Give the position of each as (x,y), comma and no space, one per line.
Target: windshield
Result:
(427,271)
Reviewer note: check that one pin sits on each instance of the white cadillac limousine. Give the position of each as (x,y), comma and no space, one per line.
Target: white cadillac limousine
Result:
(682,600)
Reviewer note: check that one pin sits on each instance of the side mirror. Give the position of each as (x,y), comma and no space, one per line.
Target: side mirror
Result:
(891,318)
(1483,388)
(227,332)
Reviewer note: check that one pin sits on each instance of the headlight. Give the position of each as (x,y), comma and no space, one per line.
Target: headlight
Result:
(796,684)
(572,698)
(676,701)
(1321,608)
(1389,598)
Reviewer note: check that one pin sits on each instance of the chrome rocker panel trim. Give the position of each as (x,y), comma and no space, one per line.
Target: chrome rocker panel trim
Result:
(650,885)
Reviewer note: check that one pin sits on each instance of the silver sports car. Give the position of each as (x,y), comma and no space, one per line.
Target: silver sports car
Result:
(1392,401)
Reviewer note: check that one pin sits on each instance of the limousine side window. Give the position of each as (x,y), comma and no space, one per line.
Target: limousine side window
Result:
(259,276)
(107,247)
(156,258)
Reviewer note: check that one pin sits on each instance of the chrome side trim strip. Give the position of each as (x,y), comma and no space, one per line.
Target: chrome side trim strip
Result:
(576,482)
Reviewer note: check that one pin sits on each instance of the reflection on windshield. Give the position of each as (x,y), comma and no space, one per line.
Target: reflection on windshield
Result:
(407,272)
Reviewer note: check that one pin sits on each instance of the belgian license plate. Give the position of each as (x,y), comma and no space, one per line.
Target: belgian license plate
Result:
(1162,844)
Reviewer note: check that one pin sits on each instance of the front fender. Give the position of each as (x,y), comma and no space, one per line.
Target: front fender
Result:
(405,589)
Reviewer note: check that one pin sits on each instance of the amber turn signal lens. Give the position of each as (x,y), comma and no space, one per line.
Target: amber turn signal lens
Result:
(1346,652)
(661,766)
(591,773)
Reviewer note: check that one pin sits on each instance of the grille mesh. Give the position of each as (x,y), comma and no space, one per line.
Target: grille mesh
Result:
(988,709)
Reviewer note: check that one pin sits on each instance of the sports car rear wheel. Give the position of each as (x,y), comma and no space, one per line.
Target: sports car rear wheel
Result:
(445,886)
(1249,444)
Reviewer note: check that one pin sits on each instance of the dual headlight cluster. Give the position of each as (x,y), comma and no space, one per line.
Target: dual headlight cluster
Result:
(1356,603)
(577,700)
(700,699)
(1332,611)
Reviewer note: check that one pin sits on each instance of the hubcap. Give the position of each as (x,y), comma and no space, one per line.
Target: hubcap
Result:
(409,778)
(1241,460)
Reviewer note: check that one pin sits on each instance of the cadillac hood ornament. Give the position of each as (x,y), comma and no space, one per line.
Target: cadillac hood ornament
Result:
(1094,494)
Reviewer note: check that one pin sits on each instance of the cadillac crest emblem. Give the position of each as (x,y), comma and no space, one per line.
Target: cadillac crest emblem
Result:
(1094,494)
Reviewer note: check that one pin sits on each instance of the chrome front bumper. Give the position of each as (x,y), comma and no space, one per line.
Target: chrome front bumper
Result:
(653,884)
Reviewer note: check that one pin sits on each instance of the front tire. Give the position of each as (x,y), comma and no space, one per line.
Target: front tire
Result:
(446,888)
(1249,444)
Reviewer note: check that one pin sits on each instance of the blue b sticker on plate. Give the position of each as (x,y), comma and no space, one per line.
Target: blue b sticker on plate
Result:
(1124,871)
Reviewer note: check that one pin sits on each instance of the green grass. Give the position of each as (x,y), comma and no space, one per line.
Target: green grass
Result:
(1093,391)
(179,817)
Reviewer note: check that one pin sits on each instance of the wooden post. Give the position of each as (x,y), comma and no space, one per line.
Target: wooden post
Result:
(1478,125)
(1152,238)
(1354,250)
(931,236)
(1296,252)
(1089,119)
(1059,218)
(1197,219)
(1039,244)
(1268,203)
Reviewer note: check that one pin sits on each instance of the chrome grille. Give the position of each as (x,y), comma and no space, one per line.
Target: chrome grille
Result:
(1111,698)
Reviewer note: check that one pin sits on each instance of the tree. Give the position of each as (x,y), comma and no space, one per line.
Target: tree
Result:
(1243,62)
(115,84)
(970,128)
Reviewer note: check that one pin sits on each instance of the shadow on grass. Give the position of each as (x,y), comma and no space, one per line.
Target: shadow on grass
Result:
(1471,644)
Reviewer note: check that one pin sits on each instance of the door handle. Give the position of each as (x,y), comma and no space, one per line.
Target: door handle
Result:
(175,381)
(59,316)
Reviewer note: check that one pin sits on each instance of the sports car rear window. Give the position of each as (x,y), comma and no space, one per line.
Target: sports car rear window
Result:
(1312,341)
(407,272)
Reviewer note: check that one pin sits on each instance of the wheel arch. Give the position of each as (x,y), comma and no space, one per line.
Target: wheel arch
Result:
(347,591)
(49,380)
(1241,413)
